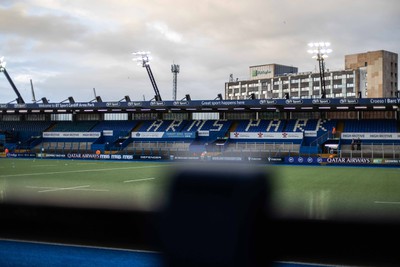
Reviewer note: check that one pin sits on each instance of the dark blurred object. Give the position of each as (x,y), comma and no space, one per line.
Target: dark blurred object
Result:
(215,216)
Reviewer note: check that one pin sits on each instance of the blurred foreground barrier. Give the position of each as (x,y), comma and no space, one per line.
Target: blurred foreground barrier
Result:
(213,216)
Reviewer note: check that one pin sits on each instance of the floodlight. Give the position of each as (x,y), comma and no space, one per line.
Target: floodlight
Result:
(320,52)
(144,58)
(2,64)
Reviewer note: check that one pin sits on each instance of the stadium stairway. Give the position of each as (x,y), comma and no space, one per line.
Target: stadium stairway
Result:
(339,126)
(232,128)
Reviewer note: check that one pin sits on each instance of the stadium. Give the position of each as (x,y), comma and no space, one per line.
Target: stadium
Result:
(336,158)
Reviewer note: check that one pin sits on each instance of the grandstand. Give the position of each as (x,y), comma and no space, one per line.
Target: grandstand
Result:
(279,132)
(274,137)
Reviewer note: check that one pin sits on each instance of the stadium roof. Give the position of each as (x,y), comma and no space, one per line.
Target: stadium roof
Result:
(326,104)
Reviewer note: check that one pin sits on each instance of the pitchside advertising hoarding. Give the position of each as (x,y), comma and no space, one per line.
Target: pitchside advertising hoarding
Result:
(289,160)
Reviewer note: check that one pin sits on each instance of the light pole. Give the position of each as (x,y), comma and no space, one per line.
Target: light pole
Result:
(175,71)
(320,51)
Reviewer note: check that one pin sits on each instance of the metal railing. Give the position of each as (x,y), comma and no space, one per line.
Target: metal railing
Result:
(371,150)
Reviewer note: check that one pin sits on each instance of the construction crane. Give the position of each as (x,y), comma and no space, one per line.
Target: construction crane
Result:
(19,99)
(143,58)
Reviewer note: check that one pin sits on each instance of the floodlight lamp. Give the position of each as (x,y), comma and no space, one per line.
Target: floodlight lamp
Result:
(142,58)
(2,63)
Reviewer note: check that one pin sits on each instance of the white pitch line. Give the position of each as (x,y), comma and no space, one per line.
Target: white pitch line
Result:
(387,202)
(45,165)
(74,188)
(78,171)
(139,180)
(63,188)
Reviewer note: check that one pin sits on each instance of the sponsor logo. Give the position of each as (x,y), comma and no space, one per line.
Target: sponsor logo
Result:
(268,102)
(151,157)
(255,159)
(82,156)
(294,101)
(275,159)
(349,160)
(157,103)
(180,103)
(348,101)
(112,104)
(255,73)
(135,104)
(321,101)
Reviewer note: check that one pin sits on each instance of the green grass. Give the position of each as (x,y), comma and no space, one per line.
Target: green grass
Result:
(311,192)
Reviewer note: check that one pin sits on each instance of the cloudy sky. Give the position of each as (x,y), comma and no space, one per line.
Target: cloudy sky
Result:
(69,47)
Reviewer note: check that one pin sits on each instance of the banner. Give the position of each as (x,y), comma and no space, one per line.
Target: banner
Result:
(147,134)
(108,132)
(71,134)
(371,136)
(266,135)
(185,135)
(20,155)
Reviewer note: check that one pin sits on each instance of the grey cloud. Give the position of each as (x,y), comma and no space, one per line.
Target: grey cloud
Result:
(216,38)
(15,21)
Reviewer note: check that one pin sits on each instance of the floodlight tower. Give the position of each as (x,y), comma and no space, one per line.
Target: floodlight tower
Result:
(320,51)
(143,58)
(175,71)
(19,99)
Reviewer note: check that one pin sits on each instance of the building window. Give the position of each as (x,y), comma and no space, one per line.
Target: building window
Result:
(351,94)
